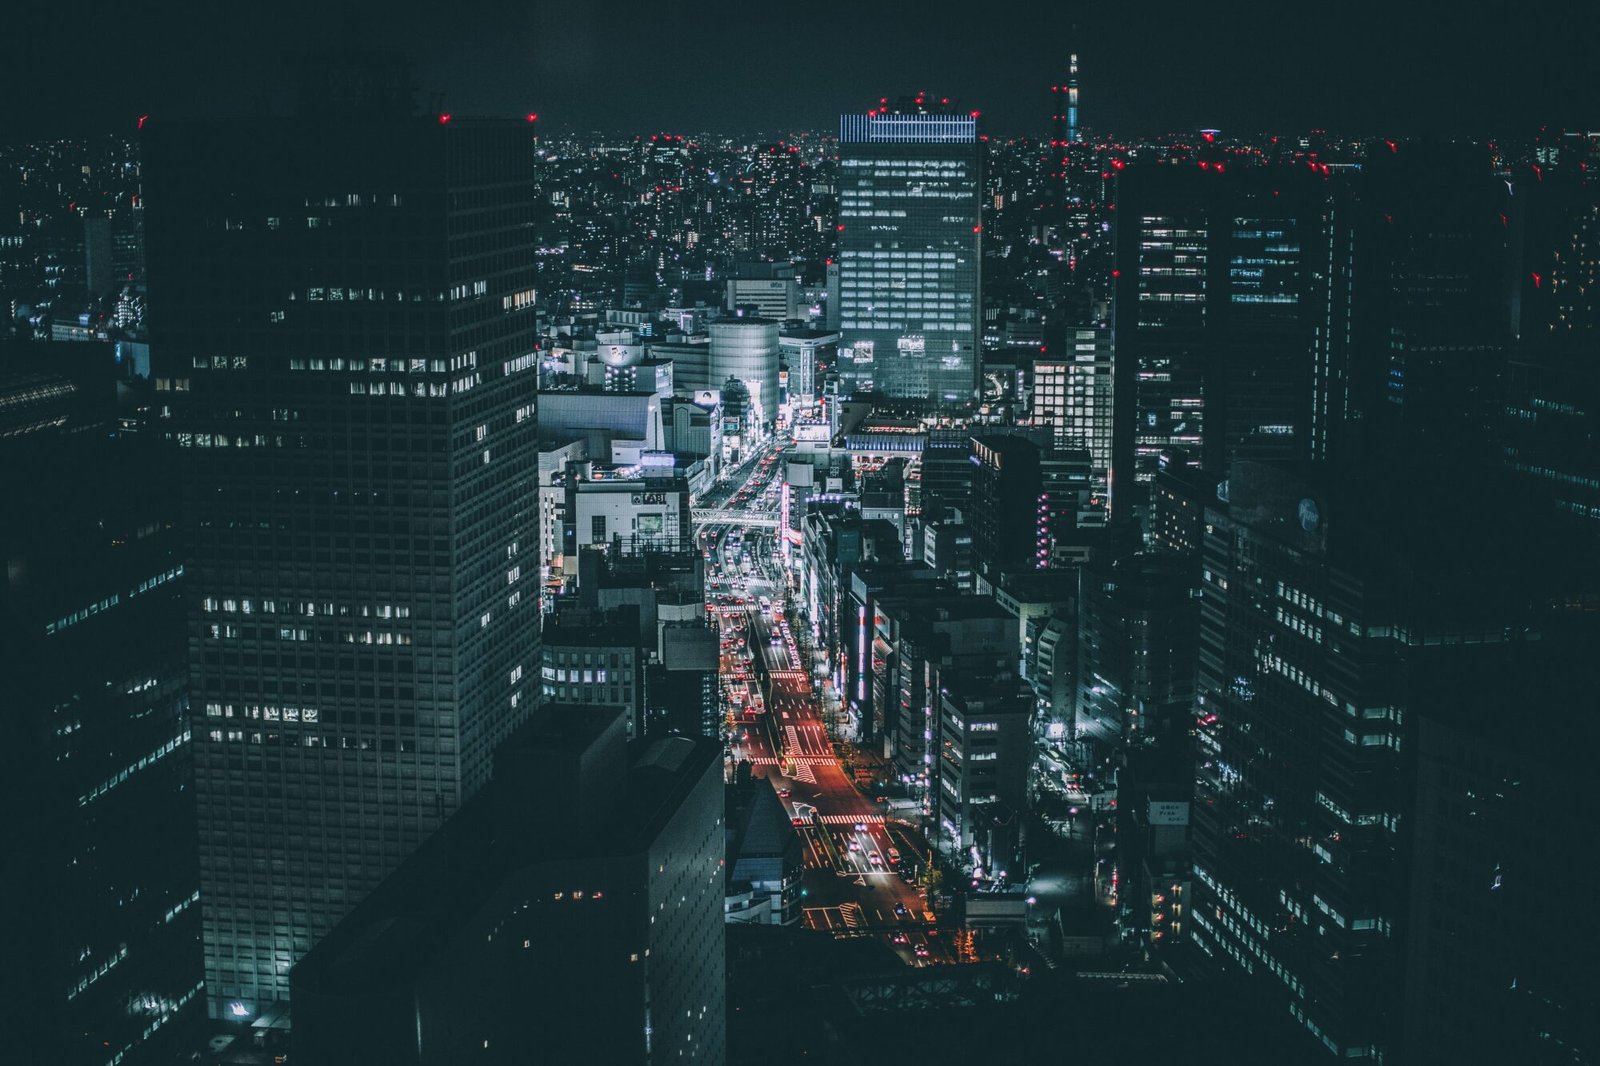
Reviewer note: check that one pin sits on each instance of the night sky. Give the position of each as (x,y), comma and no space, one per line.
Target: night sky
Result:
(1148,67)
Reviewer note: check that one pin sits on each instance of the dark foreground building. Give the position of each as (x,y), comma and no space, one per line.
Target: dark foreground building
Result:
(100,880)
(1334,616)
(571,914)
(345,371)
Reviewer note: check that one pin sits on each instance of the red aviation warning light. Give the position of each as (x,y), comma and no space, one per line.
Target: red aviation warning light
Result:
(444,120)
(533,117)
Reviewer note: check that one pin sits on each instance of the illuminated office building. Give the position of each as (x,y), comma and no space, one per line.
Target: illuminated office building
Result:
(1212,324)
(910,225)
(346,372)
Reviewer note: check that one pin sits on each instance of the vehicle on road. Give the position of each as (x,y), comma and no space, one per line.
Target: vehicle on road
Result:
(875,859)
(854,846)
(900,938)
(922,951)
(900,910)
(783,792)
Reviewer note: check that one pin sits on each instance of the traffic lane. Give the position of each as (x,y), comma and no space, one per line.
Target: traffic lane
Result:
(876,890)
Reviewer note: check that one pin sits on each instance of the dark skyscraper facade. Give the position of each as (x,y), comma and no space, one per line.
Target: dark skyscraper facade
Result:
(910,229)
(1332,612)
(101,875)
(346,374)
(1213,317)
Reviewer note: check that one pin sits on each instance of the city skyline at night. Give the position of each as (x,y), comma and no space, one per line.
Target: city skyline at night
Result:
(649,532)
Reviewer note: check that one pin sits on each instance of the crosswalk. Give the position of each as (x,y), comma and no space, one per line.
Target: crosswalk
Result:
(809,760)
(851,913)
(850,819)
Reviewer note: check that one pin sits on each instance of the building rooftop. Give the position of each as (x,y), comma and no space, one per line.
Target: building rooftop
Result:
(417,911)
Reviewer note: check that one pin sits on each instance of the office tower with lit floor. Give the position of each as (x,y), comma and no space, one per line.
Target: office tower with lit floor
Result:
(345,370)
(910,227)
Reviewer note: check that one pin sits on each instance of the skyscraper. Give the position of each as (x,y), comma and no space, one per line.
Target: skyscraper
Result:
(346,370)
(1330,611)
(101,873)
(1212,325)
(910,225)
(1072,395)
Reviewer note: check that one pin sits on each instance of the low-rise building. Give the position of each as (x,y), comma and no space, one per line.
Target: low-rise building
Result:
(765,857)
(984,755)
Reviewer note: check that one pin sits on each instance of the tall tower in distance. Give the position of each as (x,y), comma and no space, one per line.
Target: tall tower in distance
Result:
(1072,100)
(1063,132)
(346,374)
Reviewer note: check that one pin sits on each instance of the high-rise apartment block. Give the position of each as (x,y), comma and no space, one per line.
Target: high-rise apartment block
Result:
(910,227)
(346,371)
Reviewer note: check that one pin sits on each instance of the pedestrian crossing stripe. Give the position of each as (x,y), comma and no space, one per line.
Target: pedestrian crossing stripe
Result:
(850,819)
(794,760)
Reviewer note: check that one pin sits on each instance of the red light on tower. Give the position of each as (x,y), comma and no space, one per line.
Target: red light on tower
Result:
(444,120)
(977,229)
(974,114)
(840,227)
(1208,136)
(142,119)
(532,117)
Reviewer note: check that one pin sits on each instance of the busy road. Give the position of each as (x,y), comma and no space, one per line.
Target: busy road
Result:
(862,869)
